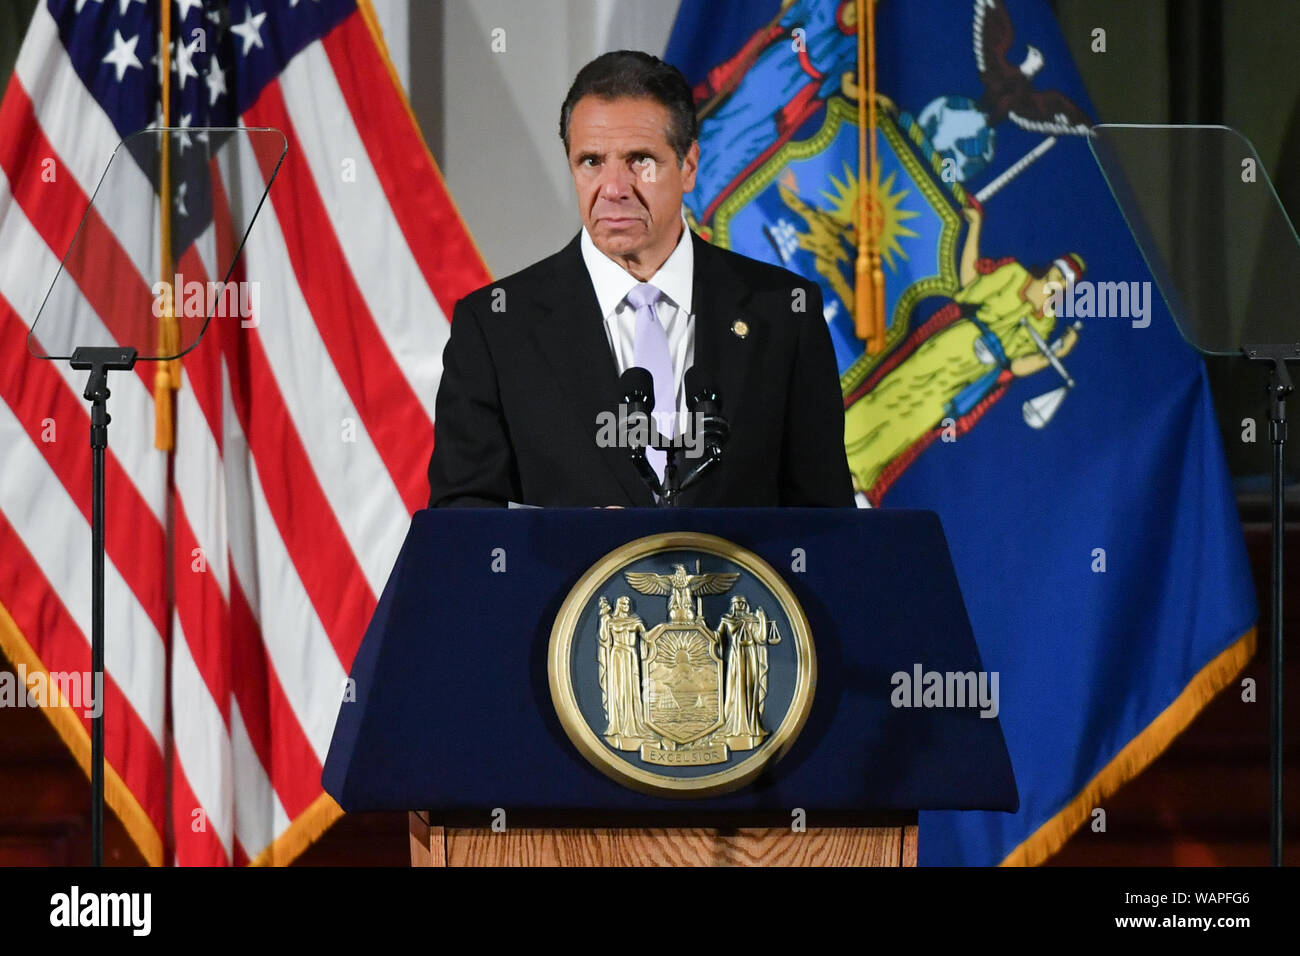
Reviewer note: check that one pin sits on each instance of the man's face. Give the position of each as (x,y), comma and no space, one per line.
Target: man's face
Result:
(627,179)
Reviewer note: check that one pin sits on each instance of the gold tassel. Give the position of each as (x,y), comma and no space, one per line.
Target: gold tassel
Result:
(163,437)
(869,277)
(166,380)
(168,376)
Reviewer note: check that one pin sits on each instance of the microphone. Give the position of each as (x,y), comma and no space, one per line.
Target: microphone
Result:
(636,386)
(705,407)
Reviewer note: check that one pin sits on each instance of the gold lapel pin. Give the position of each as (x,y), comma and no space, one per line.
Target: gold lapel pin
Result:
(740,327)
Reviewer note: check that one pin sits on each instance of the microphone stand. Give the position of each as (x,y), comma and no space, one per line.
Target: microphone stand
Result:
(699,470)
(672,482)
(676,478)
(703,404)
(665,492)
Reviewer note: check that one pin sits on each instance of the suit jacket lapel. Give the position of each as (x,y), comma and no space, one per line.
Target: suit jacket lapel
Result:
(722,355)
(571,338)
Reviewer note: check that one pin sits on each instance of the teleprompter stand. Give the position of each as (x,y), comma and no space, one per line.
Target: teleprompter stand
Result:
(149,170)
(1223,251)
(1279,387)
(99,361)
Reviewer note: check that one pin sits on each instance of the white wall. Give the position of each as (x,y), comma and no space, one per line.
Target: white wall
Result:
(492,118)
(395,22)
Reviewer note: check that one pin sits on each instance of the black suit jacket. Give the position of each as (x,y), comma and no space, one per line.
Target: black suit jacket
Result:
(528,370)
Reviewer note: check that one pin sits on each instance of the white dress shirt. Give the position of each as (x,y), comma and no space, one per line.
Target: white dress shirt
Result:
(674,280)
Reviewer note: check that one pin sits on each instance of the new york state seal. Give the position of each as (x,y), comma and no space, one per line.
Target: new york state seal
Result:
(681,664)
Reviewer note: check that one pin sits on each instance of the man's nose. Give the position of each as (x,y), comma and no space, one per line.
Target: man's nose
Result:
(615,182)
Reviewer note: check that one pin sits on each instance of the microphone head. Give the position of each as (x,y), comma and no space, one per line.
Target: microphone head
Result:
(698,391)
(637,387)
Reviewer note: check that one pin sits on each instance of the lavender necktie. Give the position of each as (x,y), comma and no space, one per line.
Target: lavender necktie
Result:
(650,351)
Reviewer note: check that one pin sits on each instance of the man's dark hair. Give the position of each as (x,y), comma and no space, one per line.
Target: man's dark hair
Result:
(631,73)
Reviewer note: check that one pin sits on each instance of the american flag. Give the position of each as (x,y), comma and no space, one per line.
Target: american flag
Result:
(243,567)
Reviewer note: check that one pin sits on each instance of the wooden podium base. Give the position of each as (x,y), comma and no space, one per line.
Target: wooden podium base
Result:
(624,846)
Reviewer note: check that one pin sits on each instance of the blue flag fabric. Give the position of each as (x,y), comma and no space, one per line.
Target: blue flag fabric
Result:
(1069,444)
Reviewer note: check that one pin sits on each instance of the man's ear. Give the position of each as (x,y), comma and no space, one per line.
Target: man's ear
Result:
(690,166)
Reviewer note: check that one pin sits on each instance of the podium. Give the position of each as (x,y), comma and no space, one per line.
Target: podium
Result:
(449,713)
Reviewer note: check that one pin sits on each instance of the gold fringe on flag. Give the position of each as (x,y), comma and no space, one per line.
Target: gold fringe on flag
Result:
(1137,754)
(68,724)
(167,377)
(308,827)
(869,284)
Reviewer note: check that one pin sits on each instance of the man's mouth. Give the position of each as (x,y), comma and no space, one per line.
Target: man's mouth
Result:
(619,220)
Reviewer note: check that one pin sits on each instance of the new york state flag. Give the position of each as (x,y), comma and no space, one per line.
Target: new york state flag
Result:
(1075,461)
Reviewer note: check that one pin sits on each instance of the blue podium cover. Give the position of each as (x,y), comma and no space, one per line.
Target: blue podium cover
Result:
(452,711)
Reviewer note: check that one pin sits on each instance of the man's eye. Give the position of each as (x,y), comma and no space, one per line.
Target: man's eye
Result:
(589,161)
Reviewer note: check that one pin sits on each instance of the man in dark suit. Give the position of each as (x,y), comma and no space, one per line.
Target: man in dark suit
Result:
(531,370)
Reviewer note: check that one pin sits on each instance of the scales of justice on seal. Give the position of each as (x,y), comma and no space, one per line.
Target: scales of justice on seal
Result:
(686,686)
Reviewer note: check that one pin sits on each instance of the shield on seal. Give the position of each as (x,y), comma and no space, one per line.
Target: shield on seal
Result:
(670,697)
(682,686)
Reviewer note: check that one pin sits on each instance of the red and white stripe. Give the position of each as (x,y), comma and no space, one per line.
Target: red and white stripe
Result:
(278,529)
